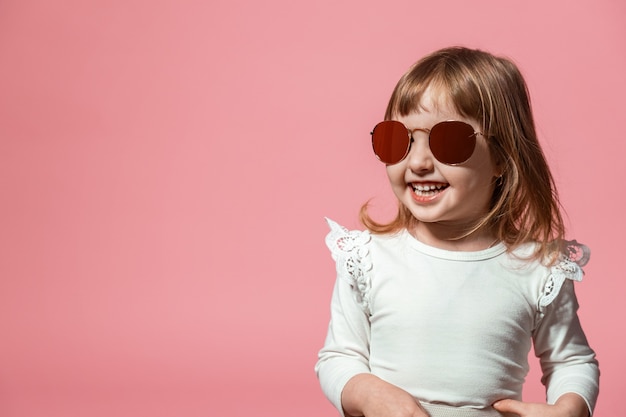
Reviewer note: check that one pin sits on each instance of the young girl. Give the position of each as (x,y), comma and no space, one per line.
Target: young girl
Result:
(434,313)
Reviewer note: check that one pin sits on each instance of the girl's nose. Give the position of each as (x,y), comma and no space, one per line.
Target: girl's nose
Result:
(420,158)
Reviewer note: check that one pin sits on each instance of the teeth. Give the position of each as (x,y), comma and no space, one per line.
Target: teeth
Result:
(420,187)
(427,189)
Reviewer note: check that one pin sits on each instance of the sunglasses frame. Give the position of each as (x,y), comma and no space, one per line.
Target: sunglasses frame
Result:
(428,131)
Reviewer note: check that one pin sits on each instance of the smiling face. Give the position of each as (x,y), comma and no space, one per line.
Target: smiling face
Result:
(446,200)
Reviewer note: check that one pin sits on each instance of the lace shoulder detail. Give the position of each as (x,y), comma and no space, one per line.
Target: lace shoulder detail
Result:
(573,257)
(350,250)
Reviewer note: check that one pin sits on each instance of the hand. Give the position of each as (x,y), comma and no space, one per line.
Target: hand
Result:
(568,405)
(369,396)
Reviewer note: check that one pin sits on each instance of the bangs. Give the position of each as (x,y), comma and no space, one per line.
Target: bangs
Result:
(447,80)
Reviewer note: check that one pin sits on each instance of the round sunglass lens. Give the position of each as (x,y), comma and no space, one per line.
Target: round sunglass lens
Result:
(452,142)
(390,140)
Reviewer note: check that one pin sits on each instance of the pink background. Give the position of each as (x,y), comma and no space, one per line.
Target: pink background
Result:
(166,166)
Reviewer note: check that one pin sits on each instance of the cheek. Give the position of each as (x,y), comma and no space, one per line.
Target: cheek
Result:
(474,180)
(482,163)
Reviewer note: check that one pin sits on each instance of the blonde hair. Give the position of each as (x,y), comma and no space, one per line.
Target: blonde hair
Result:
(525,205)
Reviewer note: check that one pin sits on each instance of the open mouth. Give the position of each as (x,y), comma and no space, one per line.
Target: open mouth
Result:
(428,190)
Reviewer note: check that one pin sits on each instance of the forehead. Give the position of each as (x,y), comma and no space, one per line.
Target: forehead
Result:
(435,100)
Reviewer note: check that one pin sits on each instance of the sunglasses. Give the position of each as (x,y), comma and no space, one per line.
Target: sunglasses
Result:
(451,142)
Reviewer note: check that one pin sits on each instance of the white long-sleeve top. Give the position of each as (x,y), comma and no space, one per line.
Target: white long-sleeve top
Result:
(453,328)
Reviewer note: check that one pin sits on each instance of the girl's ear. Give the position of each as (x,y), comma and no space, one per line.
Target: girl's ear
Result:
(498,172)
(498,162)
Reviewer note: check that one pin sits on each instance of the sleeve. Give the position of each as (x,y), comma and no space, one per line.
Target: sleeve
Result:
(346,350)
(568,363)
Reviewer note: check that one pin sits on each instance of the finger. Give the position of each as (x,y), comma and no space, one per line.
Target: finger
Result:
(510,406)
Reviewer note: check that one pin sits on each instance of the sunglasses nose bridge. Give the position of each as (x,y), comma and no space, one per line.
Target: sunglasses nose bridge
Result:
(424,137)
(419,154)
